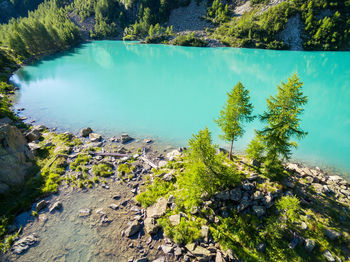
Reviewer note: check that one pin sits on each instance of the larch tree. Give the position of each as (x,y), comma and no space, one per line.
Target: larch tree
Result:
(236,111)
(282,119)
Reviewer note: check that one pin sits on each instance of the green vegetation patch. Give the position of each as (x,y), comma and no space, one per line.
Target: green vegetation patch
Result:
(102,169)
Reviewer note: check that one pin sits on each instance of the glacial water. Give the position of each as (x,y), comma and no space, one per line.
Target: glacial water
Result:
(168,92)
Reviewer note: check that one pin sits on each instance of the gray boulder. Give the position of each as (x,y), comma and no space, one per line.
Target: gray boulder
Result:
(158,209)
(33,135)
(236,194)
(151,226)
(14,157)
(56,206)
(328,256)
(84,212)
(95,137)
(125,138)
(41,204)
(259,210)
(24,243)
(85,131)
(309,244)
(132,229)
(332,234)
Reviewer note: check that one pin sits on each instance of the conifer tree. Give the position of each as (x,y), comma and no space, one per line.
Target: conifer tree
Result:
(236,111)
(283,119)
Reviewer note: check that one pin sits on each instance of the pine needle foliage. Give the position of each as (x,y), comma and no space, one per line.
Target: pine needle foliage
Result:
(282,119)
(237,111)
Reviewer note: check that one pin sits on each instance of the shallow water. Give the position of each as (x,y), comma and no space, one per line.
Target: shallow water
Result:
(169,92)
(65,236)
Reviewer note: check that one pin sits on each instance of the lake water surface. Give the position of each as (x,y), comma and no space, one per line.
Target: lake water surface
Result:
(169,92)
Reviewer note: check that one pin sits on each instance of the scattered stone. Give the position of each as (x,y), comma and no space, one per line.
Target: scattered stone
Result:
(132,229)
(95,137)
(257,195)
(147,141)
(85,131)
(218,257)
(294,243)
(205,233)
(173,154)
(332,234)
(24,243)
(162,163)
(178,251)
(236,194)
(224,195)
(168,177)
(42,204)
(201,253)
(114,206)
(34,147)
(116,197)
(303,226)
(125,138)
(261,247)
(33,135)
(158,209)
(175,219)
(151,226)
(56,206)
(309,244)
(167,249)
(143,259)
(160,259)
(243,205)
(84,212)
(328,256)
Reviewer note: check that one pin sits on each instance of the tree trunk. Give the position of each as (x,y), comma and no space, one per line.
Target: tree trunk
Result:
(230,154)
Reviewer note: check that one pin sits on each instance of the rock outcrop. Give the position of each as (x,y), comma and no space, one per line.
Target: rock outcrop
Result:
(14,156)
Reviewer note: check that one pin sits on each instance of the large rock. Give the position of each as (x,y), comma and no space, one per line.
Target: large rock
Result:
(309,244)
(158,209)
(85,131)
(151,226)
(24,244)
(259,210)
(132,229)
(328,256)
(201,253)
(173,154)
(14,155)
(33,135)
(332,234)
(236,194)
(175,219)
(41,204)
(95,137)
(125,138)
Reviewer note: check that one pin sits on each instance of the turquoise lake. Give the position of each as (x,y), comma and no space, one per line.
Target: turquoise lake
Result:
(168,93)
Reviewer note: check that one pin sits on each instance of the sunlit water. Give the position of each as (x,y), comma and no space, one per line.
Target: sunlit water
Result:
(169,93)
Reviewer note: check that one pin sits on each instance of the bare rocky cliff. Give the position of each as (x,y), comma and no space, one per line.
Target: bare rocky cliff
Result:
(15,157)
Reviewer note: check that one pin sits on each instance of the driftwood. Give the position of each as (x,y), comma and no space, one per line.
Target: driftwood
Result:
(147,161)
(108,154)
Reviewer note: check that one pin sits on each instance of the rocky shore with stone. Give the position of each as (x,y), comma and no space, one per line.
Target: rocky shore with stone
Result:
(139,234)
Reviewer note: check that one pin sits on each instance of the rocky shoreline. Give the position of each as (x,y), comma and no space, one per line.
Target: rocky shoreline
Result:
(138,227)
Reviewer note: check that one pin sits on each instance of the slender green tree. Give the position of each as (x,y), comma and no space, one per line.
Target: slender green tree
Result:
(237,110)
(283,119)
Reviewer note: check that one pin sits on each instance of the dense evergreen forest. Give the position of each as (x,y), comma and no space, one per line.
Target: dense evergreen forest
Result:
(325,24)
(50,27)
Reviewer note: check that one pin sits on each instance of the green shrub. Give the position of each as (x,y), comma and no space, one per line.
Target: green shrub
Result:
(289,207)
(154,191)
(102,169)
(189,40)
(186,232)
